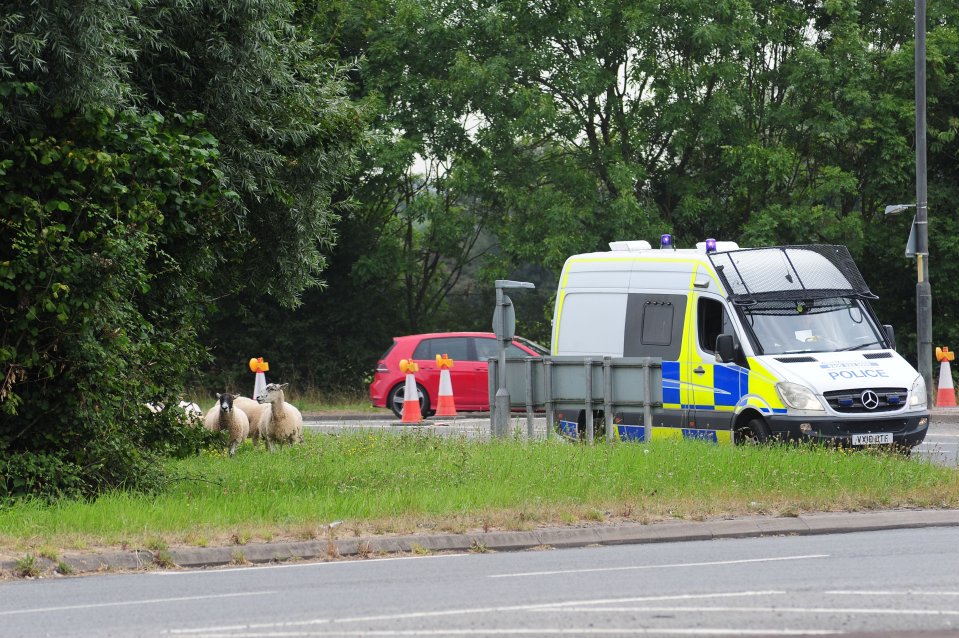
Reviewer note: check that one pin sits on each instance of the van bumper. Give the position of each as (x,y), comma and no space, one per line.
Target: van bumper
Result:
(907,430)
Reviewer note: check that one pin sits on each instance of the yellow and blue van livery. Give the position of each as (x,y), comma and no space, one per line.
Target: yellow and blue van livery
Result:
(755,343)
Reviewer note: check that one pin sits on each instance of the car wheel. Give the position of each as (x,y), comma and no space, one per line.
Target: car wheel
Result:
(398,396)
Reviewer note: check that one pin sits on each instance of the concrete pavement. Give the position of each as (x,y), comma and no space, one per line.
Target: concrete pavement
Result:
(560,537)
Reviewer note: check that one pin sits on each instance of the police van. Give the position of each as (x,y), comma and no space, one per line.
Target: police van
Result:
(757,343)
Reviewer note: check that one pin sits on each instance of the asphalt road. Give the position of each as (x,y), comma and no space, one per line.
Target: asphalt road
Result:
(902,581)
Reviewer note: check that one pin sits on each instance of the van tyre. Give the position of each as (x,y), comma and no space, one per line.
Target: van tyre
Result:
(753,432)
(397,397)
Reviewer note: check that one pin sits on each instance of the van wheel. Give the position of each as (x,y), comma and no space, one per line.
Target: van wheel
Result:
(752,432)
(397,397)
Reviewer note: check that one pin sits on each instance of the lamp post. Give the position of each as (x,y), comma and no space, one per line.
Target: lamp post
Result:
(918,244)
(923,288)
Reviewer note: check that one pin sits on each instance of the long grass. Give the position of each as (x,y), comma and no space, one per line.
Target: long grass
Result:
(382,483)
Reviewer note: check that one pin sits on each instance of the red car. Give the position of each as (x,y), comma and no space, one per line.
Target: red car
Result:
(469,352)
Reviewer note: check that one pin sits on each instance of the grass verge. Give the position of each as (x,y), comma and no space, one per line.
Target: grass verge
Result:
(383,484)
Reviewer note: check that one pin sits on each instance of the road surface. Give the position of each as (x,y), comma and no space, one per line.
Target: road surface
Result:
(901,580)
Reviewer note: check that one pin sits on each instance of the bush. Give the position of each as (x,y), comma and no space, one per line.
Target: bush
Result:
(103,264)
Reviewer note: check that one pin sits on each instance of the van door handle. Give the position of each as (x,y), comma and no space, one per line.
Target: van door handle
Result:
(699,370)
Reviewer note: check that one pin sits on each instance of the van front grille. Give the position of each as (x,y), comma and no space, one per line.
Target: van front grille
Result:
(867,400)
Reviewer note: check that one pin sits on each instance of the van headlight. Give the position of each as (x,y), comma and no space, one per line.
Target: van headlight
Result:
(798,397)
(917,394)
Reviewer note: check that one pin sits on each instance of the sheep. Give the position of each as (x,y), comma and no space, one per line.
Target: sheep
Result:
(191,409)
(282,423)
(222,416)
(193,412)
(253,411)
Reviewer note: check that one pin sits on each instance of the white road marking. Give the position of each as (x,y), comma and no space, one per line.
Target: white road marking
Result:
(634,567)
(766,610)
(148,601)
(459,612)
(892,593)
(557,631)
(319,563)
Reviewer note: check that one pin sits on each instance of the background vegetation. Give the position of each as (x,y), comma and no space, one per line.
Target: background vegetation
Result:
(190,183)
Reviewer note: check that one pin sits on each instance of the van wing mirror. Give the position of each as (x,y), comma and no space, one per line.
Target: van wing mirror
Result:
(725,348)
(890,335)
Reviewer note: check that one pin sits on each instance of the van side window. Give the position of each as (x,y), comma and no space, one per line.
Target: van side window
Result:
(713,321)
(654,325)
(657,323)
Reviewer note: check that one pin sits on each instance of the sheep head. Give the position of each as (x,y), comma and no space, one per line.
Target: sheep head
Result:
(226,402)
(272,393)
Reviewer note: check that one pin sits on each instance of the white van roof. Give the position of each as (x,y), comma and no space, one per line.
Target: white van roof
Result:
(641,244)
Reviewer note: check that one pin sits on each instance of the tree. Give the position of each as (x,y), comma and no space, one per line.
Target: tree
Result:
(156,155)
(91,331)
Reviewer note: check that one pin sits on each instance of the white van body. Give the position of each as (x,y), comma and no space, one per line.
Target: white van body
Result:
(756,343)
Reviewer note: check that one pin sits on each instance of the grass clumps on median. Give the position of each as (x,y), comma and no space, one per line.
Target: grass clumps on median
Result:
(382,484)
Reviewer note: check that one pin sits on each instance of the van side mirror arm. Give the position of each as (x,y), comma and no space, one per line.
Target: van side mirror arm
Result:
(890,336)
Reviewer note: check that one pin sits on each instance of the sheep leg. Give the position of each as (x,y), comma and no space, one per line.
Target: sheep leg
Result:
(233,446)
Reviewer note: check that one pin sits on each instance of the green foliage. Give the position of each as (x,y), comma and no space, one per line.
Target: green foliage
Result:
(27,566)
(94,209)
(562,129)
(154,156)
(277,103)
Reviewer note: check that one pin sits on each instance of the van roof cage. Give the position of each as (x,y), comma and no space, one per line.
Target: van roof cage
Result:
(784,273)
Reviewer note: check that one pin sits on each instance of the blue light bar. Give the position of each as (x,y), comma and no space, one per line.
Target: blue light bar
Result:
(710,245)
(666,241)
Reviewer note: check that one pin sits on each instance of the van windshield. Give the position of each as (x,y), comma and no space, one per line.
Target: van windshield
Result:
(821,325)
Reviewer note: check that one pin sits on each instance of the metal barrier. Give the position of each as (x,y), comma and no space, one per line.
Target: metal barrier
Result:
(552,384)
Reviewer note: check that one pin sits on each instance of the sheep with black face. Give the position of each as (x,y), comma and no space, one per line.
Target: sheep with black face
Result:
(224,417)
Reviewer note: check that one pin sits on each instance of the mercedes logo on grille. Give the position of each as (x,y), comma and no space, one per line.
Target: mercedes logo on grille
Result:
(870,400)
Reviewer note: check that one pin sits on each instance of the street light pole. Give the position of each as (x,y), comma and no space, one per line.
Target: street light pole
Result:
(923,288)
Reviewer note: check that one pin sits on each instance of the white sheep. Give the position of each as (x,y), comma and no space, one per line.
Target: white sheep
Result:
(253,411)
(223,416)
(282,423)
(193,412)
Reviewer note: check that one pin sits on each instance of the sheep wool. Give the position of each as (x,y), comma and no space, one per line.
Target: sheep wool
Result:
(223,416)
(253,411)
(282,423)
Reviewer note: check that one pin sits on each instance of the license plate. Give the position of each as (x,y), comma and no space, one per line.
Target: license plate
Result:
(875,438)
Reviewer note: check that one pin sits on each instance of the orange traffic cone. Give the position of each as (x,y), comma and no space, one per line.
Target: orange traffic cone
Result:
(411,399)
(946,396)
(259,366)
(445,405)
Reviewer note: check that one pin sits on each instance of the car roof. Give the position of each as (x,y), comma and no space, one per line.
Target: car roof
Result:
(431,335)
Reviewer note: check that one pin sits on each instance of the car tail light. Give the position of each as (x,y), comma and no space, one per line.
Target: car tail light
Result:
(381,367)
